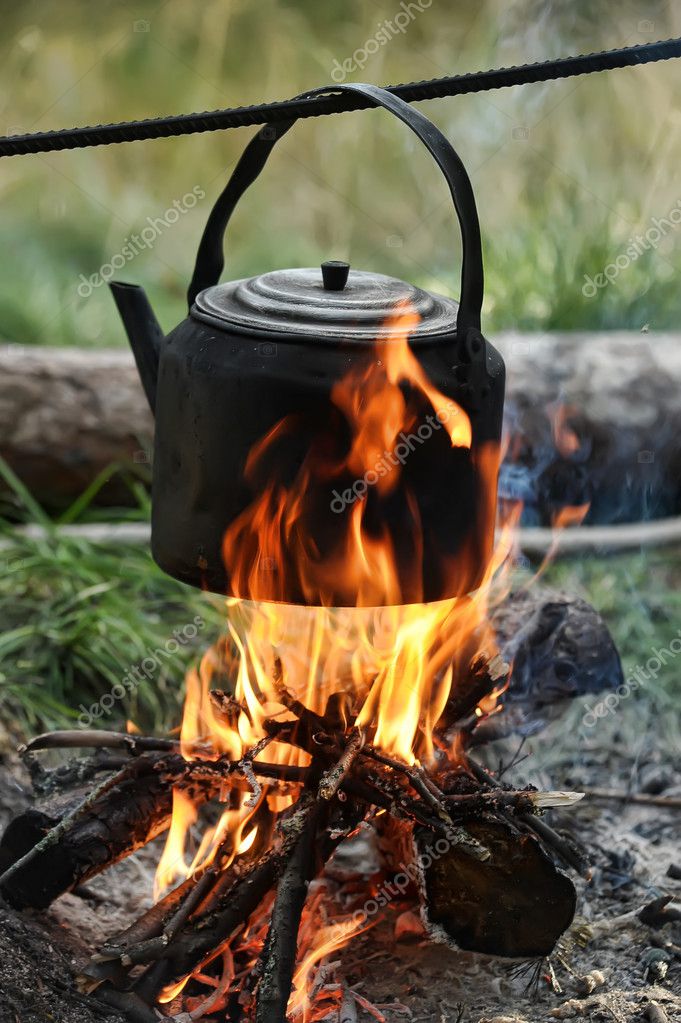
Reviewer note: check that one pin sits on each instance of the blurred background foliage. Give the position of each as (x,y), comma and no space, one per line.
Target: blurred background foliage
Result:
(565,172)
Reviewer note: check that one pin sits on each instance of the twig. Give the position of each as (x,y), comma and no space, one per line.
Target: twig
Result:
(640,798)
(517,799)
(514,761)
(418,779)
(94,739)
(332,779)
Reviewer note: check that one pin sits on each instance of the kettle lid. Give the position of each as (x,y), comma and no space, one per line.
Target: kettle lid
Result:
(335,303)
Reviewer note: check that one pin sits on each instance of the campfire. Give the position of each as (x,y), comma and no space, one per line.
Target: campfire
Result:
(306,727)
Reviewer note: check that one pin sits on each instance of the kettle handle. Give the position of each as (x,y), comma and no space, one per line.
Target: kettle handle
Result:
(210,258)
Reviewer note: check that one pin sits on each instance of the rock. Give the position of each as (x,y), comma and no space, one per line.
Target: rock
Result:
(590,981)
(656,964)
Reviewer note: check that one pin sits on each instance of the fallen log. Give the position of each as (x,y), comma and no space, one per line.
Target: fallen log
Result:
(516,903)
(594,417)
(67,415)
(100,833)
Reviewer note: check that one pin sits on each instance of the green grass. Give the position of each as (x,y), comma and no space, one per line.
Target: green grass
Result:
(598,162)
(76,617)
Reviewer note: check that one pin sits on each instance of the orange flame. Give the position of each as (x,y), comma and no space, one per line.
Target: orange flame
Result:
(271,548)
(326,940)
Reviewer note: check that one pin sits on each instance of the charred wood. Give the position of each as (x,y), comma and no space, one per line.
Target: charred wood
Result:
(514,904)
(49,849)
(279,953)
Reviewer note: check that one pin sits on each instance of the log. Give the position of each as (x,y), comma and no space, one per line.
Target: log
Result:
(622,399)
(119,822)
(516,904)
(67,414)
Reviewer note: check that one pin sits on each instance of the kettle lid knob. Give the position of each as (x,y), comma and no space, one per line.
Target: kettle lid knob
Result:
(335,274)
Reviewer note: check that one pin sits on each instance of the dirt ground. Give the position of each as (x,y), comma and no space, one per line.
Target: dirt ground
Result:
(412,980)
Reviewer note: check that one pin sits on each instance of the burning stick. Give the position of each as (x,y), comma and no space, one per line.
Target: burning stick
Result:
(486,676)
(333,778)
(279,954)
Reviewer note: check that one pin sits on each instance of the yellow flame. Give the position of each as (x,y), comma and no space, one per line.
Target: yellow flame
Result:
(327,940)
(173,990)
(177,865)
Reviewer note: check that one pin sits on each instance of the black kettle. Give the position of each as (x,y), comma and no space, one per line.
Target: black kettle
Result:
(258,353)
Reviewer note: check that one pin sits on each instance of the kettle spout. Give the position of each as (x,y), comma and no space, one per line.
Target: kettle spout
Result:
(144,333)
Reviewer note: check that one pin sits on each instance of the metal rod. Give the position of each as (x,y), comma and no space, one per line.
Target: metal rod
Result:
(291,109)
